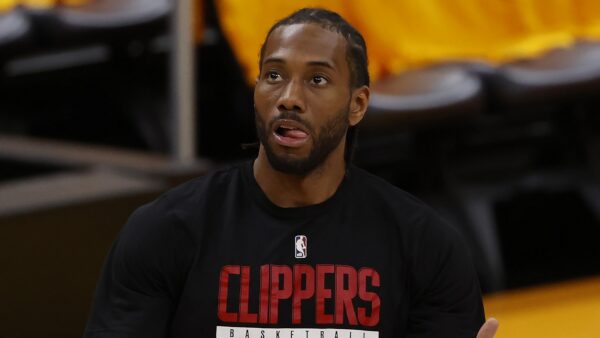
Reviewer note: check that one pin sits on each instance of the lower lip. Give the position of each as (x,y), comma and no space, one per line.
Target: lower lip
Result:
(290,142)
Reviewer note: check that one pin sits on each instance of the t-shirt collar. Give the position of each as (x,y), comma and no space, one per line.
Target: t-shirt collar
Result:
(258,195)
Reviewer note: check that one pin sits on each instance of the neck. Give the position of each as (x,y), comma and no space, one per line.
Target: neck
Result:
(287,190)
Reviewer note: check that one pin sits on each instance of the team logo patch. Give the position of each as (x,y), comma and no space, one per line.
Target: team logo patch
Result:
(300,246)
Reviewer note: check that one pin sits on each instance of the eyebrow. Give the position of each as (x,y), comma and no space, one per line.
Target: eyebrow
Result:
(321,63)
(325,64)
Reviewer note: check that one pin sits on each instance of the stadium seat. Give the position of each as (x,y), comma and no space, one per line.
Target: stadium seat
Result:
(421,98)
(416,112)
(556,76)
(103,21)
(536,126)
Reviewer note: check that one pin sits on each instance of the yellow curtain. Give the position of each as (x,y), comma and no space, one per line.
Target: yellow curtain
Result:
(6,5)
(411,33)
(404,34)
(586,14)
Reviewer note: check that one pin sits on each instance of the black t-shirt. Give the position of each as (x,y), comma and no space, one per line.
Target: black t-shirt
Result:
(216,258)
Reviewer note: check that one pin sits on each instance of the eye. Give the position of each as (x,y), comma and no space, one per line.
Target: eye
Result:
(319,80)
(273,76)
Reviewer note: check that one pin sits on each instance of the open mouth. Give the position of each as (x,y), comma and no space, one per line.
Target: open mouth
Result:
(290,133)
(287,131)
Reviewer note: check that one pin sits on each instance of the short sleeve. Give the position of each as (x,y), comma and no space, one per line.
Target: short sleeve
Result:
(446,299)
(142,276)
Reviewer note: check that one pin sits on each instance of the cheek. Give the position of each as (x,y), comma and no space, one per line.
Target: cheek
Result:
(329,103)
(264,97)
(263,106)
(258,95)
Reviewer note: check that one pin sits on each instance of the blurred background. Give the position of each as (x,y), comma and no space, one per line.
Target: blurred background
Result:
(487,110)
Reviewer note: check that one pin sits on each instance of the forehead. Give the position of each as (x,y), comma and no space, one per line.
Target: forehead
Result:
(306,42)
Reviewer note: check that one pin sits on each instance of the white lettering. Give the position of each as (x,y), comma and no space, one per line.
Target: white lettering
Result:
(251,332)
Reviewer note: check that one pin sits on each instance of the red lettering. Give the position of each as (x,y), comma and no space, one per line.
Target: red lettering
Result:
(343,295)
(263,310)
(367,296)
(279,292)
(327,284)
(223,289)
(245,316)
(300,293)
(323,294)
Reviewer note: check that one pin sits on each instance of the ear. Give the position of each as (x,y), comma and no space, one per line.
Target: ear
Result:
(358,104)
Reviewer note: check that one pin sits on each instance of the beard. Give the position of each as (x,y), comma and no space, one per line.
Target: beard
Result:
(325,140)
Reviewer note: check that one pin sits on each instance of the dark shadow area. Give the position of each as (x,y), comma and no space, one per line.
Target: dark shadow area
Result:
(13,170)
(547,237)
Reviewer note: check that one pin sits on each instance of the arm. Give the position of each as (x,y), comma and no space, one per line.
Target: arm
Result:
(445,297)
(142,277)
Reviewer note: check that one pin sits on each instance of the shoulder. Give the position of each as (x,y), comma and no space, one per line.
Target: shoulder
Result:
(381,196)
(215,182)
(444,291)
(375,185)
(166,232)
(189,196)
(419,224)
(178,211)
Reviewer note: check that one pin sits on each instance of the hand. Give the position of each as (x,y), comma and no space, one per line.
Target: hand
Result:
(489,328)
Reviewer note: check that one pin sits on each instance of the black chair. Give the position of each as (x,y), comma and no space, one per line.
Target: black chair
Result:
(530,138)
(559,75)
(422,98)
(408,134)
(102,21)
(410,117)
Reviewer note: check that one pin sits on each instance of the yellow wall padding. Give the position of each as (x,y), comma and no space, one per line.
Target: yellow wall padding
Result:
(411,33)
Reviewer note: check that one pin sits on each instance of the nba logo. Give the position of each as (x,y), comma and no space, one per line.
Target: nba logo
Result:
(300,246)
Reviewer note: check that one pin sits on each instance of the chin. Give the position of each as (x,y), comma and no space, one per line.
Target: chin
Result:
(291,164)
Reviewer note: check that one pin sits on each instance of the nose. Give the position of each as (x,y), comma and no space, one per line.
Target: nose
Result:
(292,97)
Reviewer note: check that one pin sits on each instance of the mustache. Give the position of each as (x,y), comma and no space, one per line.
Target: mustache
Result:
(291,115)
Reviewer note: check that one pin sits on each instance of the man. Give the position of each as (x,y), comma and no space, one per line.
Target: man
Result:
(298,243)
